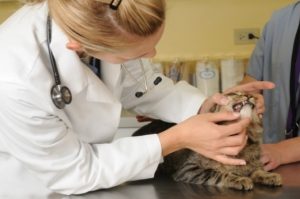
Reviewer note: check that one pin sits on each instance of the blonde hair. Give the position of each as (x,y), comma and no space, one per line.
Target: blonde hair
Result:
(99,28)
(31,1)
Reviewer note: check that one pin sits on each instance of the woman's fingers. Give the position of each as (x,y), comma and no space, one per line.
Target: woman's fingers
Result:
(234,128)
(232,151)
(220,99)
(226,154)
(234,143)
(214,140)
(217,98)
(228,129)
(222,116)
(229,160)
(255,86)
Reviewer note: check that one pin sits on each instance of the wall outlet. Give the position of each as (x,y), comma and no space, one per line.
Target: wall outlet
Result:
(242,36)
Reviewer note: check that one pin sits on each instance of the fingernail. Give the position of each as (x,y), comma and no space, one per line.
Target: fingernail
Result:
(236,114)
(243,163)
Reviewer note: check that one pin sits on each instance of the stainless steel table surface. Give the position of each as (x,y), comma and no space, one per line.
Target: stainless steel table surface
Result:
(165,188)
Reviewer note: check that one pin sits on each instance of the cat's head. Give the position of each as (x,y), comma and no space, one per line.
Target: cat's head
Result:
(245,105)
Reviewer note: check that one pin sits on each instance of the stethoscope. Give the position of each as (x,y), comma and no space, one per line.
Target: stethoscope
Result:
(157,80)
(60,95)
(139,93)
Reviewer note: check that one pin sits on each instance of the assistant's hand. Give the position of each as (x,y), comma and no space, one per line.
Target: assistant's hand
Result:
(255,89)
(271,156)
(252,87)
(202,135)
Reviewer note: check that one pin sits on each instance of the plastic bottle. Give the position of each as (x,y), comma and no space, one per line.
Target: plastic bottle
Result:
(207,77)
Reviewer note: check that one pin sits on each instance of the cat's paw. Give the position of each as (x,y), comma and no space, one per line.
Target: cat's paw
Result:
(274,179)
(267,178)
(241,183)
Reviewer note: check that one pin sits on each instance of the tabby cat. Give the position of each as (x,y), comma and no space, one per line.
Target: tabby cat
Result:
(190,167)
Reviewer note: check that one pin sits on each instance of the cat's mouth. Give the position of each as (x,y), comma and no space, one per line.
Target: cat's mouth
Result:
(237,107)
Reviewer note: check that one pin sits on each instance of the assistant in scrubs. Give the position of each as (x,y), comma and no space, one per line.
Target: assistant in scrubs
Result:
(276,58)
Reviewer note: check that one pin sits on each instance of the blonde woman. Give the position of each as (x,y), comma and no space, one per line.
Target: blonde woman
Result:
(58,118)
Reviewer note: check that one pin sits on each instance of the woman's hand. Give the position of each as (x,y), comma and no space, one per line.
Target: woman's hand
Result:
(217,98)
(271,156)
(203,135)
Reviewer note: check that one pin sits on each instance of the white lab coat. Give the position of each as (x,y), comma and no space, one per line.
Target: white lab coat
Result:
(71,151)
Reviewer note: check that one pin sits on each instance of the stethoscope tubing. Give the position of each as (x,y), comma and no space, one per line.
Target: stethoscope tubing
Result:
(60,95)
(51,56)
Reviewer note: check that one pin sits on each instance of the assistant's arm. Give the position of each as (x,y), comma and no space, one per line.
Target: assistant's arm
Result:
(284,152)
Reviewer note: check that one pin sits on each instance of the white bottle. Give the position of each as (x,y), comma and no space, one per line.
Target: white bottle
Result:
(207,77)
(174,71)
(232,72)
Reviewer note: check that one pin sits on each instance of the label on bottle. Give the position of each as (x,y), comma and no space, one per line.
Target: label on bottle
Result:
(207,73)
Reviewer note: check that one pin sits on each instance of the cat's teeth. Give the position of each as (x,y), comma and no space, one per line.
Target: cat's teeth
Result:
(246,111)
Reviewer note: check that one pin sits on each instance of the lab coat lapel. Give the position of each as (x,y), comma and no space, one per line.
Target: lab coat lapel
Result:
(99,109)
(97,91)
(75,74)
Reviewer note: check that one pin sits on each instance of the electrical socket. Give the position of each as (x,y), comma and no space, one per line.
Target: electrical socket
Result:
(241,36)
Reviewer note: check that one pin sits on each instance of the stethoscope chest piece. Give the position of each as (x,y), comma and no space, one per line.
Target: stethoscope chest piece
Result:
(61,95)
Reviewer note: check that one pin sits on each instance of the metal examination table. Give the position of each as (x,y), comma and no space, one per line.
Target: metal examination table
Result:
(165,188)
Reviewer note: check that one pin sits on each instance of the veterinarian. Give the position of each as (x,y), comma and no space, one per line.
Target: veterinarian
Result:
(276,58)
(58,118)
